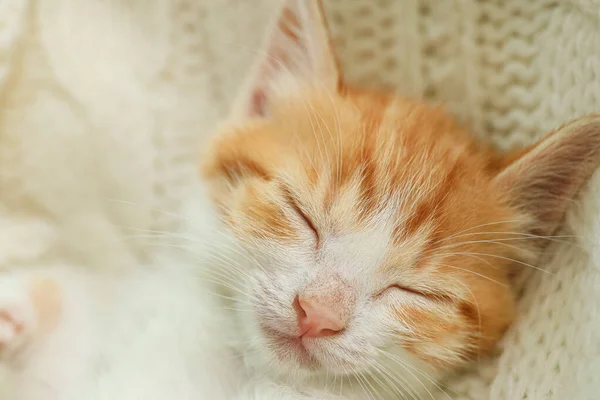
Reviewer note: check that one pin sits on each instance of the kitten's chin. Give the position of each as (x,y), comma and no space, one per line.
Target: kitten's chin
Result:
(292,351)
(307,357)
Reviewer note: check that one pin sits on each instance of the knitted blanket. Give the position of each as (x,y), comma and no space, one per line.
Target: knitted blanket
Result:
(104,104)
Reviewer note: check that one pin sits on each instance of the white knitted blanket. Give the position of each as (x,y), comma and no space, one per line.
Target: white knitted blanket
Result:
(103,103)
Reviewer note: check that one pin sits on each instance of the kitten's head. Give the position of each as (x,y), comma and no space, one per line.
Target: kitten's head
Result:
(375,231)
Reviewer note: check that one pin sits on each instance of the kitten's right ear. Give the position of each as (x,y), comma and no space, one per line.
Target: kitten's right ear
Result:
(297,52)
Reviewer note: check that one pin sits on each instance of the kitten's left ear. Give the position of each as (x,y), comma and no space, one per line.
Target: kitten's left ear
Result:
(297,52)
(543,179)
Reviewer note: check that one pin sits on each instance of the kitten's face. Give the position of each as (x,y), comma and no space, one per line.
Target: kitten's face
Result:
(385,213)
(373,231)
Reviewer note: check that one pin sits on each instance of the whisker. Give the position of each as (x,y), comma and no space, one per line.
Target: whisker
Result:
(475,273)
(502,258)
(394,381)
(408,366)
(486,224)
(497,241)
(405,365)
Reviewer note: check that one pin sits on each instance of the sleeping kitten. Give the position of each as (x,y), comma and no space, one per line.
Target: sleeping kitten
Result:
(360,246)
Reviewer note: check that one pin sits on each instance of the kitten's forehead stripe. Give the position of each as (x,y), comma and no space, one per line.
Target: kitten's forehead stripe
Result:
(407,181)
(469,312)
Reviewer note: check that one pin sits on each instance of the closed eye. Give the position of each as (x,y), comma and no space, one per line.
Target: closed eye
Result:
(398,287)
(434,296)
(294,204)
(307,221)
(406,289)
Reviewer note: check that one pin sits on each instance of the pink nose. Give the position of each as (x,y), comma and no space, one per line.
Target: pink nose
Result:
(317,320)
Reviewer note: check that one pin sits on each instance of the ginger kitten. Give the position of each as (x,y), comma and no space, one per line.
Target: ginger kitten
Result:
(360,244)
(383,237)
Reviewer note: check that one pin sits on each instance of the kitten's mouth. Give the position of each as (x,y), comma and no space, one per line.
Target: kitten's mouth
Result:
(291,349)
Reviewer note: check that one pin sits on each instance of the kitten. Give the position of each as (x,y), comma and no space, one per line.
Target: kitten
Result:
(361,246)
(382,238)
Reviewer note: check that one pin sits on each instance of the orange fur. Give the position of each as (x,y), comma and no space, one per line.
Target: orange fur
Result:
(343,155)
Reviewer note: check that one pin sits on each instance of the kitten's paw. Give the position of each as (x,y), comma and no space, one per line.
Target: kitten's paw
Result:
(17,314)
(29,305)
(10,327)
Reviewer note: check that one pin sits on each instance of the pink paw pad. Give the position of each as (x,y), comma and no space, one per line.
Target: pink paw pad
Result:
(17,314)
(11,326)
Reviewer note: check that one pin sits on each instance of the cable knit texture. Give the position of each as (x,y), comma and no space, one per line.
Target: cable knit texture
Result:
(105,102)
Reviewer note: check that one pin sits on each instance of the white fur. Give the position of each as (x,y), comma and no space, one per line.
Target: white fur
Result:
(265,278)
(148,335)
(162,332)
(193,327)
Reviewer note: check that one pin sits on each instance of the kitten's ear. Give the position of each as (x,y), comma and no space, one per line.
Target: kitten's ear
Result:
(297,52)
(543,179)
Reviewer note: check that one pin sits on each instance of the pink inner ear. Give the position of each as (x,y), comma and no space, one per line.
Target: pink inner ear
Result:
(298,47)
(257,105)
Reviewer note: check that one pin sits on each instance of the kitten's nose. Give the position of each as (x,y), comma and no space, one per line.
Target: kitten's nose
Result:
(317,320)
